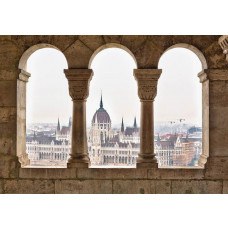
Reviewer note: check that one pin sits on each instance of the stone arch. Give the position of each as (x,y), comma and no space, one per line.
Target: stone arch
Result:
(24,58)
(21,101)
(111,45)
(192,48)
(205,98)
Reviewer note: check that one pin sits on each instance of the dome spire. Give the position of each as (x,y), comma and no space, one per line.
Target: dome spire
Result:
(101,102)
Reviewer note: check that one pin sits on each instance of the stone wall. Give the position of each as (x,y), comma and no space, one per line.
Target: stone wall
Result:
(117,181)
(79,52)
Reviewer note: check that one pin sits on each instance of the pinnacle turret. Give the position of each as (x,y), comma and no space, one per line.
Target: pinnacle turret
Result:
(70,122)
(58,126)
(122,126)
(135,124)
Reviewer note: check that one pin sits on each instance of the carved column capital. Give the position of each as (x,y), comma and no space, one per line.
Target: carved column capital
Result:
(223,42)
(79,80)
(147,80)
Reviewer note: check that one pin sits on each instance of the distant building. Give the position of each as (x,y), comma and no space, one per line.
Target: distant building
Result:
(178,149)
(50,150)
(112,147)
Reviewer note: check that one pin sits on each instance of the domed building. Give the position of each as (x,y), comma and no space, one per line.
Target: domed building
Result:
(107,147)
(101,125)
(100,133)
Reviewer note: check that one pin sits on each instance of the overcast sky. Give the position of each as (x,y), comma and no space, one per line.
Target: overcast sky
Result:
(179,90)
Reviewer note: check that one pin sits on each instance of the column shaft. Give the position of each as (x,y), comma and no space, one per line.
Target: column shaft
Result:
(147,127)
(79,138)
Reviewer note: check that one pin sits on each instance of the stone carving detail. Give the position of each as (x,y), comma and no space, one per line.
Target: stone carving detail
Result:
(79,90)
(24,160)
(79,80)
(24,76)
(223,42)
(203,76)
(147,80)
(147,89)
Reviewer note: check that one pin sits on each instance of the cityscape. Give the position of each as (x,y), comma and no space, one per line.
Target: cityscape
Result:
(176,143)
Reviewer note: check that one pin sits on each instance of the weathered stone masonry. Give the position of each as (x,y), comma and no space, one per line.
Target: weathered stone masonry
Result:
(210,177)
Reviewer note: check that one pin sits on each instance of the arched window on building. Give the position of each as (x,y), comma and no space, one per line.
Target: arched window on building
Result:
(48,105)
(178,109)
(113,103)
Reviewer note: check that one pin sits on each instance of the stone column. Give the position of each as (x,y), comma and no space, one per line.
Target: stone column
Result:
(21,118)
(147,80)
(223,42)
(79,80)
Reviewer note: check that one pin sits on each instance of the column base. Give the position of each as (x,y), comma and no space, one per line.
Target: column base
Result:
(24,160)
(146,161)
(78,161)
(202,161)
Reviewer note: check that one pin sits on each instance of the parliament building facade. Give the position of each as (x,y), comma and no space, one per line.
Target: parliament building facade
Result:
(110,147)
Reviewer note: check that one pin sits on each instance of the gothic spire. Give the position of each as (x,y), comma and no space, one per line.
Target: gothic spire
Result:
(58,127)
(135,124)
(122,126)
(101,102)
(158,140)
(70,122)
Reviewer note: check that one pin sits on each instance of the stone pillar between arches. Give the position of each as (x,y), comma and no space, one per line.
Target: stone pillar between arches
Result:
(79,80)
(147,80)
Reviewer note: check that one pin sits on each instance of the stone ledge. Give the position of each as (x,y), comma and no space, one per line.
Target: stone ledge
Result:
(141,187)
(176,173)
(29,187)
(116,173)
(196,187)
(110,174)
(47,173)
(83,187)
